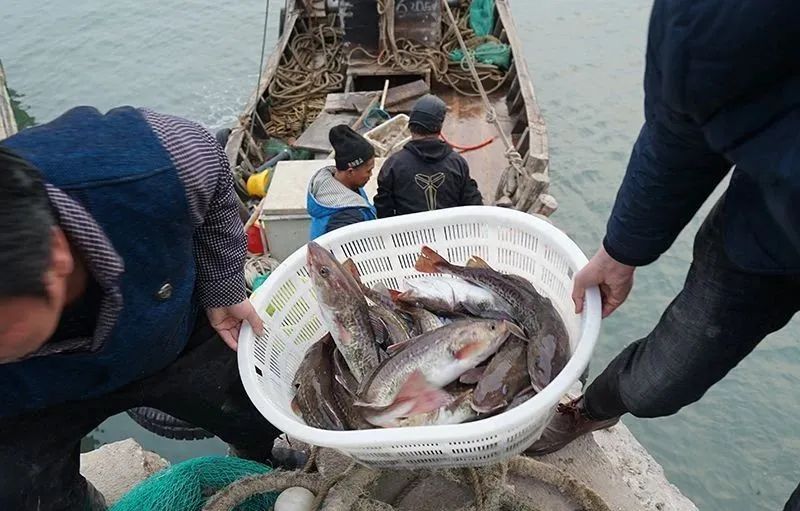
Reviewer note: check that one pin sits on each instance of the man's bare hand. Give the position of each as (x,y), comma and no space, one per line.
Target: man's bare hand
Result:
(228,320)
(614,279)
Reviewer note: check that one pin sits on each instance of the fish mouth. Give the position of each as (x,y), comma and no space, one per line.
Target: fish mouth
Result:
(316,255)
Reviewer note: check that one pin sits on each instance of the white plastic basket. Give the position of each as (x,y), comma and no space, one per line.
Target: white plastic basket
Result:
(385,251)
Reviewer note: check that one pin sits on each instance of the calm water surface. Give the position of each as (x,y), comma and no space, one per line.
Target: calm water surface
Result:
(736,450)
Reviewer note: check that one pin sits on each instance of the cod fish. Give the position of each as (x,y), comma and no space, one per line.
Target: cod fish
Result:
(504,377)
(410,382)
(547,336)
(446,295)
(552,327)
(314,398)
(397,327)
(344,388)
(344,310)
(457,411)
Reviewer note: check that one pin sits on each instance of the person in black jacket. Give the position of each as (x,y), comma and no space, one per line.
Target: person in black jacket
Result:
(722,90)
(426,174)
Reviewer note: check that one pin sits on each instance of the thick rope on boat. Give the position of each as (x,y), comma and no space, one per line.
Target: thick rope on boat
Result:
(309,70)
(349,490)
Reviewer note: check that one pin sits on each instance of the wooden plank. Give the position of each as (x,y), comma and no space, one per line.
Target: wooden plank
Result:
(348,101)
(538,130)
(419,21)
(8,123)
(357,101)
(361,23)
(315,137)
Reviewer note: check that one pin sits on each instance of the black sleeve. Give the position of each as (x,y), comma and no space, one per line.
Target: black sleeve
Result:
(344,218)
(470,195)
(384,199)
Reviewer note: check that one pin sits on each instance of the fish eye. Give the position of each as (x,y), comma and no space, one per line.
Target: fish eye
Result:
(324,272)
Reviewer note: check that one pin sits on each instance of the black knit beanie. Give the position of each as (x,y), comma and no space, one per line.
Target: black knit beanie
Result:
(351,148)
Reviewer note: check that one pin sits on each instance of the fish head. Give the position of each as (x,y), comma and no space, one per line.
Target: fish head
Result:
(331,281)
(478,340)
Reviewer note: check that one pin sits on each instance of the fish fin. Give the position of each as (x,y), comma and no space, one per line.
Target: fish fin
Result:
(296,406)
(477,262)
(429,401)
(469,350)
(429,261)
(515,330)
(472,376)
(396,347)
(352,269)
(394,295)
(414,385)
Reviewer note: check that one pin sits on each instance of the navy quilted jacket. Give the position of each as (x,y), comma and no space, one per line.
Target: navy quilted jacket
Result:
(722,90)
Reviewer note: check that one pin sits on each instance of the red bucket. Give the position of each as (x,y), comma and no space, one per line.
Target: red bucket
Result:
(255,245)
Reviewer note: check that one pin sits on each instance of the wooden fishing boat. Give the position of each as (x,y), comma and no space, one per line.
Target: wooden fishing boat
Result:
(8,125)
(336,61)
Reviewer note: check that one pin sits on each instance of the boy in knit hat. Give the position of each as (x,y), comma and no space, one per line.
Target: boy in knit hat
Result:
(426,174)
(336,196)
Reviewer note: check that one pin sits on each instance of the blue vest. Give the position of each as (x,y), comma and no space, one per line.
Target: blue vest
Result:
(116,168)
(321,215)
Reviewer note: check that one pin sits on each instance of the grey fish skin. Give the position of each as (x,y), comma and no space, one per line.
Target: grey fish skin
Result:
(504,377)
(548,341)
(424,320)
(315,391)
(344,388)
(432,361)
(344,309)
(445,295)
(396,327)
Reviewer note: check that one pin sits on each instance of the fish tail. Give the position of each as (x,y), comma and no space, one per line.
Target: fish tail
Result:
(430,262)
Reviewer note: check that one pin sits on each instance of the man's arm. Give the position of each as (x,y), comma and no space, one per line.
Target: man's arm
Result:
(219,244)
(670,174)
(470,195)
(384,199)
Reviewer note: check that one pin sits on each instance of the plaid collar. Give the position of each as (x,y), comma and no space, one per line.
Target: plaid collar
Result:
(102,261)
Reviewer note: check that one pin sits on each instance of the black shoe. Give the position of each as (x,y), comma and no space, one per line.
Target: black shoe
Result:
(569,423)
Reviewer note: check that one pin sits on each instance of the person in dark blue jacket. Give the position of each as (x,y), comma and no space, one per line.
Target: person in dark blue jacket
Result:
(123,281)
(722,92)
(336,196)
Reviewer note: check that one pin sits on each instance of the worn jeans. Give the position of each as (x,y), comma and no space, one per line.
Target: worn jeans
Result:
(39,451)
(718,318)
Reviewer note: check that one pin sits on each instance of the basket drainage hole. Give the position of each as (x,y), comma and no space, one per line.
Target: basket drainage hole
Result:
(258,371)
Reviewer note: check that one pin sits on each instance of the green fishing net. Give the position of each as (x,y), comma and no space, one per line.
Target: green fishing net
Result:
(487,53)
(481,17)
(188,485)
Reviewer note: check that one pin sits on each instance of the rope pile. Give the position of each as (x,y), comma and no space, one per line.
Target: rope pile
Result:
(404,54)
(349,489)
(313,65)
(309,70)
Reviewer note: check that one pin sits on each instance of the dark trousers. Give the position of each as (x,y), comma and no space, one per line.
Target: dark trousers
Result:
(39,451)
(718,318)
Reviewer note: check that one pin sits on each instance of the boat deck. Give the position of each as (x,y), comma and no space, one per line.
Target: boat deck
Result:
(466,125)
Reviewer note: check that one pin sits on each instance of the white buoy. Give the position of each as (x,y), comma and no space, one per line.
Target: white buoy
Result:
(295,498)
